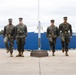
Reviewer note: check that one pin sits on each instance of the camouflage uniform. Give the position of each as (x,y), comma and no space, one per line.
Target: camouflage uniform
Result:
(21,33)
(52,34)
(65,33)
(9,31)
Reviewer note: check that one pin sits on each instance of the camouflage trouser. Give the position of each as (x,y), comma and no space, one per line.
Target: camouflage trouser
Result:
(65,39)
(65,43)
(52,44)
(20,44)
(9,43)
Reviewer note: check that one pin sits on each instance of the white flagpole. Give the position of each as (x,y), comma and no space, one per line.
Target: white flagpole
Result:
(39,52)
(39,29)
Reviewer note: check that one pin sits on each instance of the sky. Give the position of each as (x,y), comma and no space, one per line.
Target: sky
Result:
(28,9)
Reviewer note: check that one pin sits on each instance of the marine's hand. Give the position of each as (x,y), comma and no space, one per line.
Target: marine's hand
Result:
(70,36)
(58,36)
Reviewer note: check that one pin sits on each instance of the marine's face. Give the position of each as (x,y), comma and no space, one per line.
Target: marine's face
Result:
(52,23)
(65,20)
(10,22)
(20,21)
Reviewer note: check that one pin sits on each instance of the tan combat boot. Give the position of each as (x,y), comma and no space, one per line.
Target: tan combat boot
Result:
(22,54)
(7,51)
(53,54)
(63,50)
(11,55)
(18,55)
(66,54)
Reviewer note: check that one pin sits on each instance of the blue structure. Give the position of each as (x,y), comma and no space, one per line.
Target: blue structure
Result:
(32,42)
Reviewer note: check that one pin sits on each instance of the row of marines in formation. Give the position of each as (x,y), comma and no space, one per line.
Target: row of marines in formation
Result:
(19,32)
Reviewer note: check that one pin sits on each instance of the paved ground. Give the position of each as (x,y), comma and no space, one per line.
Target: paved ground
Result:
(58,65)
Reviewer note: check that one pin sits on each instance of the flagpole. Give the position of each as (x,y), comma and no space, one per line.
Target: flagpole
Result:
(39,32)
(39,52)
(38,11)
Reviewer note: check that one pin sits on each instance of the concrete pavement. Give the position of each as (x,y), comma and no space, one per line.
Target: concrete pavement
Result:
(57,65)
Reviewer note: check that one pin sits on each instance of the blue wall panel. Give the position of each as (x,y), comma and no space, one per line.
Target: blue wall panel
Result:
(32,42)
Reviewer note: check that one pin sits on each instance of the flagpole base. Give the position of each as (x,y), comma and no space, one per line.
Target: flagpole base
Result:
(39,53)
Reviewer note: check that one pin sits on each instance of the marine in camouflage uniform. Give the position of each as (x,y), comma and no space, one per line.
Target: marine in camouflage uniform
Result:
(21,34)
(52,34)
(9,31)
(65,30)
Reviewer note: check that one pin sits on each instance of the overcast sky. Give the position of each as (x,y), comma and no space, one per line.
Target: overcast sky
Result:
(28,9)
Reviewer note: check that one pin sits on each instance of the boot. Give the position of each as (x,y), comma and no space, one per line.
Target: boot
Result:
(11,55)
(66,54)
(22,54)
(63,50)
(7,50)
(18,55)
(53,54)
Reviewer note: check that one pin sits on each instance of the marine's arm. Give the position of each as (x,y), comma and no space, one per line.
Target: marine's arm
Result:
(70,30)
(25,30)
(4,32)
(57,31)
(47,32)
